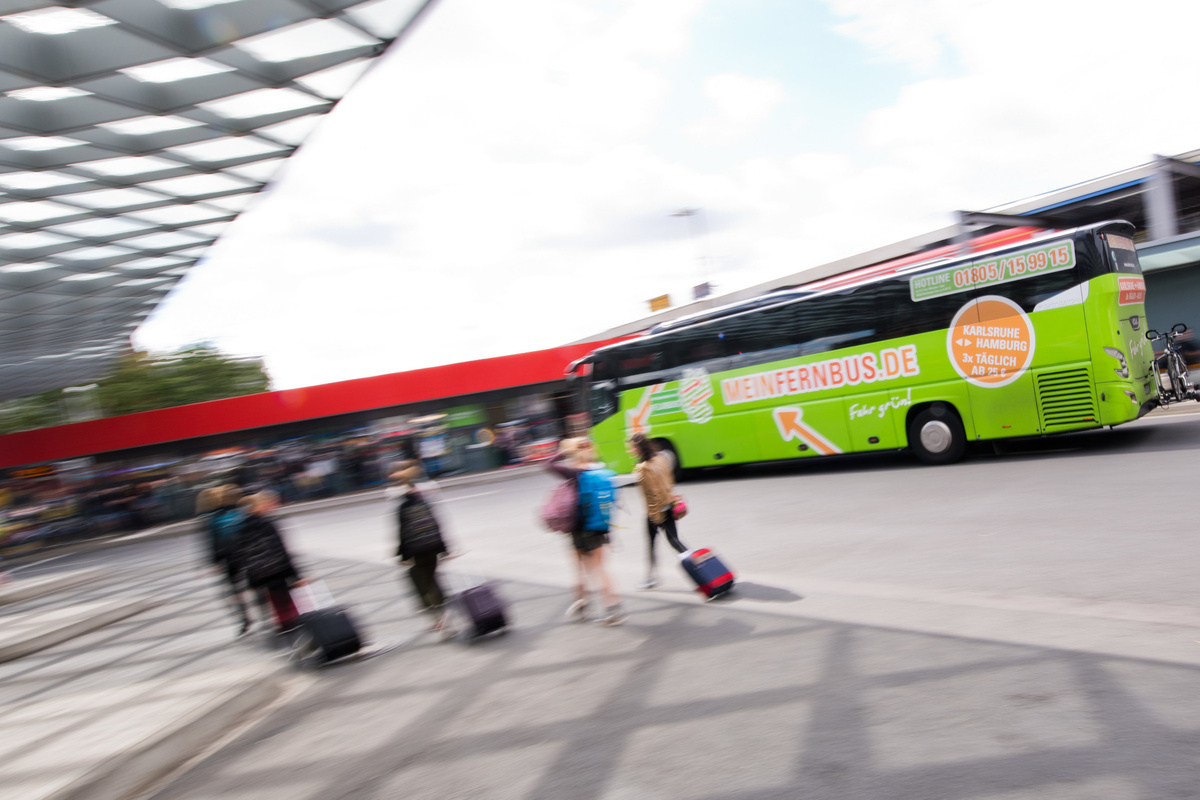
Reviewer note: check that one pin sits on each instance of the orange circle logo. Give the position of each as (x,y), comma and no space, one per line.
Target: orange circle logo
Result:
(990,341)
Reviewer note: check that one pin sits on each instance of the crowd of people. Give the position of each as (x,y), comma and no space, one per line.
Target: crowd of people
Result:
(56,504)
(247,550)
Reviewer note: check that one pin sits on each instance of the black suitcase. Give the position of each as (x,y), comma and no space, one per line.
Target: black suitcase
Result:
(326,631)
(326,634)
(483,608)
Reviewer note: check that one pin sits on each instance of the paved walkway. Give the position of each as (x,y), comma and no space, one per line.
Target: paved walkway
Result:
(687,700)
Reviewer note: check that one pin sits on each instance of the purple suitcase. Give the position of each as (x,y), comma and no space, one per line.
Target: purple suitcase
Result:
(484,608)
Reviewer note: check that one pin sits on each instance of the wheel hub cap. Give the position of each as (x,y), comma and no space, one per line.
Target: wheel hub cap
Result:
(935,436)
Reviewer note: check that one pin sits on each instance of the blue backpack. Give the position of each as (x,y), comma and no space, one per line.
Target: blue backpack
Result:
(596,498)
(225,527)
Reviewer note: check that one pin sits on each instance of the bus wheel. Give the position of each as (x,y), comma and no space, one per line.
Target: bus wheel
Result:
(936,435)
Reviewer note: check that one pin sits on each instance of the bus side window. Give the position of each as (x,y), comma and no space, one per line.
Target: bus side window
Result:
(694,346)
(759,337)
(900,315)
(1028,292)
(838,320)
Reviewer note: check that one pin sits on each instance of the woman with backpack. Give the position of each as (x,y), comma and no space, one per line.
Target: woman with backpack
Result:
(655,473)
(576,462)
(221,520)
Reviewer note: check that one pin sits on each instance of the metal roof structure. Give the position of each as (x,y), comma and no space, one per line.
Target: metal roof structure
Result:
(132,132)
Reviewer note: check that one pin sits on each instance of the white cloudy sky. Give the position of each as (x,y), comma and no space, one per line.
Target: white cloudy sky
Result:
(504,179)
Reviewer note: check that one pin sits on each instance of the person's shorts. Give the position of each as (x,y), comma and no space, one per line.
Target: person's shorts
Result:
(587,541)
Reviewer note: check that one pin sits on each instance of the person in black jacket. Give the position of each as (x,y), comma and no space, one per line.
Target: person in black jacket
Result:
(264,562)
(420,543)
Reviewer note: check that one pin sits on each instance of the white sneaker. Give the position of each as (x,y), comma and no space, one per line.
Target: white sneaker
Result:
(650,583)
(577,611)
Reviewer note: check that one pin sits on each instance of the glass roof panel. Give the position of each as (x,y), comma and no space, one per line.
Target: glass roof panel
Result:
(293,131)
(114,198)
(181,214)
(141,281)
(225,148)
(37,180)
(259,102)
(175,69)
(94,253)
(384,18)
(259,171)
(143,126)
(192,185)
(88,276)
(29,241)
(152,263)
(46,94)
(57,21)
(194,5)
(37,266)
(210,230)
(335,81)
(35,211)
(127,165)
(103,226)
(232,203)
(162,241)
(37,144)
(313,37)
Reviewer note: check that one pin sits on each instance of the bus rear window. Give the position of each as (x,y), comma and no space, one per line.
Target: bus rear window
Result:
(1121,254)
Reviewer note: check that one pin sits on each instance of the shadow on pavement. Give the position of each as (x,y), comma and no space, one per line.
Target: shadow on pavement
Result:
(706,700)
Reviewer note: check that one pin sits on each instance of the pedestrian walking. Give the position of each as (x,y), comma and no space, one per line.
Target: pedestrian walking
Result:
(264,561)
(420,544)
(221,520)
(655,473)
(576,462)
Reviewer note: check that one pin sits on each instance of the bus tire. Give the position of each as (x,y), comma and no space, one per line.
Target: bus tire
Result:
(936,435)
(668,448)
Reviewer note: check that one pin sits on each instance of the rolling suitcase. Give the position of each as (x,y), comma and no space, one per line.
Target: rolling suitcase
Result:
(327,632)
(710,574)
(483,608)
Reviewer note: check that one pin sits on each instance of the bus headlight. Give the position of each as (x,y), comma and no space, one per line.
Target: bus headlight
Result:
(1123,370)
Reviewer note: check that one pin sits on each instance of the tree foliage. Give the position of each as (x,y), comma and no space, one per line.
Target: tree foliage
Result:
(143,381)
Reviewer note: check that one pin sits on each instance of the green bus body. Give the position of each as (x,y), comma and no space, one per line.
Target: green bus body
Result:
(1034,338)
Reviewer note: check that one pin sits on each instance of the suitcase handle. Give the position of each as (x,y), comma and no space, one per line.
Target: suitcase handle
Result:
(311,596)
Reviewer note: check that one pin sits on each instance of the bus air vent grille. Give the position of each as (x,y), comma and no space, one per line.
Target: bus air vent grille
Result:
(1065,398)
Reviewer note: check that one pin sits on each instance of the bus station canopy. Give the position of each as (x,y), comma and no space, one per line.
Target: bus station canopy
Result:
(132,132)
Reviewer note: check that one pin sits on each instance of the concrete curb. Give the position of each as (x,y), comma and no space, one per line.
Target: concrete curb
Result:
(114,612)
(29,588)
(159,755)
(183,527)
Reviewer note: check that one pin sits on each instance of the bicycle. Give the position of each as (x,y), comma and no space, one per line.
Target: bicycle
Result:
(1177,385)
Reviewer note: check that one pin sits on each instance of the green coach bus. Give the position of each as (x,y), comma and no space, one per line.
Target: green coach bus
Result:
(1042,334)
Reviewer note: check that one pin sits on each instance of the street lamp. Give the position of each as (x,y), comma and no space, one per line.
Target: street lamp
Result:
(698,233)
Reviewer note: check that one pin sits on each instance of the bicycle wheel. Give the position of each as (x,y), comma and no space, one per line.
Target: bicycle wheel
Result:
(1181,384)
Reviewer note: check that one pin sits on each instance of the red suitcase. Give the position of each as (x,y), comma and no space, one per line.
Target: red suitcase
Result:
(711,575)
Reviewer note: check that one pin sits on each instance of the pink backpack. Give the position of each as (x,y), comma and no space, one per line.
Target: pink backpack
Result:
(561,508)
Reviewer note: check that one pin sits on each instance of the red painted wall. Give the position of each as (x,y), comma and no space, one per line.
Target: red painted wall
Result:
(292,405)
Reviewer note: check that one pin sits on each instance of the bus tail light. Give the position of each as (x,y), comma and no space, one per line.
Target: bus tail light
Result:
(1123,370)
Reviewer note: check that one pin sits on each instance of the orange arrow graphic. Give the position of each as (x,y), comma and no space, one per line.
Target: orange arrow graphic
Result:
(787,420)
(639,418)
